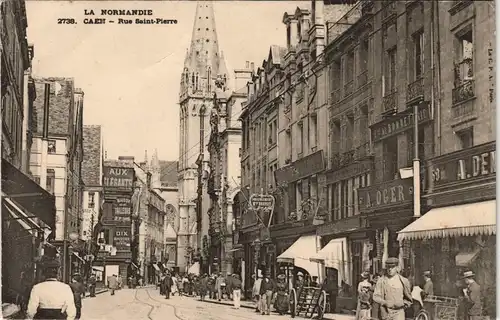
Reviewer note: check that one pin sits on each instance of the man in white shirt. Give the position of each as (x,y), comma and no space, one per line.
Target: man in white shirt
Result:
(51,299)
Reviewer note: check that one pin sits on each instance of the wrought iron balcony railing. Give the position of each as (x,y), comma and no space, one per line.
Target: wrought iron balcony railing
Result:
(463,92)
(415,91)
(363,151)
(390,102)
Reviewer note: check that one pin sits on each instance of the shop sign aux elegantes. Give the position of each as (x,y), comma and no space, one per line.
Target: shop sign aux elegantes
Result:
(114,177)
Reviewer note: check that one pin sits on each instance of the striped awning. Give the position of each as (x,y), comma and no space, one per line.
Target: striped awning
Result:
(454,221)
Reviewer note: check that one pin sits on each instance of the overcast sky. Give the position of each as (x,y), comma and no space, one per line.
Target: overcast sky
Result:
(130,73)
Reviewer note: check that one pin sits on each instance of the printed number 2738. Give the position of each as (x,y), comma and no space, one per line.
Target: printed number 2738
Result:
(66,21)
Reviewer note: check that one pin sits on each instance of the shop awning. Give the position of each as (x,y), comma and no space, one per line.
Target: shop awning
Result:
(20,216)
(454,221)
(299,254)
(28,194)
(333,255)
(156,267)
(194,269)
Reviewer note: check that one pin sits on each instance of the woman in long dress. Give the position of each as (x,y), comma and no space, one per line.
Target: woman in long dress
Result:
(175,288)
(281,302)
(364,297)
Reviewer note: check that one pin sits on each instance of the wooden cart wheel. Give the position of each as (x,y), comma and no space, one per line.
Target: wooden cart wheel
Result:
(422,315)
(321,305)
(293,303)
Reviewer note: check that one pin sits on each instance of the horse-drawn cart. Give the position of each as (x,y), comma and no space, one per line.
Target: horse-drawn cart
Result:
(308,301)
(438,308)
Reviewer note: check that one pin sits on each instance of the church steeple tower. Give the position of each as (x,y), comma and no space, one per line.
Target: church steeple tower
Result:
(203,65)
(203,60)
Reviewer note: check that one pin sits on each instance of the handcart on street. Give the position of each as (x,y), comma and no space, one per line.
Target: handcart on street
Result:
(307,302)
(438,308)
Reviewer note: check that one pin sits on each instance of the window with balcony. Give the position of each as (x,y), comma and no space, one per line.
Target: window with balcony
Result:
(390,71)
(466,138)
(313,131)
(91,200)
(51,180)
(390,158)
(418,52)
(300,128)
(389,101)
(363,63)
(464,63)
(334,142)
(349,74)
(335,80)
(298,195)
(289,140)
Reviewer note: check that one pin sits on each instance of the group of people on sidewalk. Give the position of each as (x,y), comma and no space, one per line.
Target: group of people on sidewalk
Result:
(391,296)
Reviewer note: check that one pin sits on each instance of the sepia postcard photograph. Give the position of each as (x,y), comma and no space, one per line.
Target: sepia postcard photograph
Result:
(221,160)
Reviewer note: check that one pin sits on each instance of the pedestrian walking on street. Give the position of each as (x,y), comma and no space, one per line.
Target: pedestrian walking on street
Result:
(51,299)
(78,293)
(281,301)
(472,295)
(392,292)
(236,286)
(220,286)
(332,288)
(362,294)
(167,285)
(113,284)
(256,291)
(203,287)
(180,284)
(91,284)
(174,289)
(119,281)
(267,288)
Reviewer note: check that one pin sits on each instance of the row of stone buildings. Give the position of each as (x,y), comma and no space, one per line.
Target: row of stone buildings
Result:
(45,193)
(329,130)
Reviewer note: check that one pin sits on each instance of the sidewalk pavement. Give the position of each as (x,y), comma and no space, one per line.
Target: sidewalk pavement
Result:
(251,305)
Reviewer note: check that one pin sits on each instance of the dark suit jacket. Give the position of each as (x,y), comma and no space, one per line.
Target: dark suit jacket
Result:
(267,285)
(474,306)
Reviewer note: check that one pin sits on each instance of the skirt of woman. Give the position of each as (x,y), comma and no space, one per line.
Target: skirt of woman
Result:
(281,303)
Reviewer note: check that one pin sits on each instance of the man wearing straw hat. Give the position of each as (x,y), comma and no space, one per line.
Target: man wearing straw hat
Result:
(472,296)
(392,292)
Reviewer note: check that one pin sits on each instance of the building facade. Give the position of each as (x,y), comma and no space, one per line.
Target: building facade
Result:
(203,63)
(224,180)
(350,162)
(115,225)
(460,180)
(56,158)
(28,211)
(92,171)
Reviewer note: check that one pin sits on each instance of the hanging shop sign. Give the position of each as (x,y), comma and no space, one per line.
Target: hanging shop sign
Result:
(261,202)
(385,195)
(156,201)
(464,166)
(120,178)
(302,168)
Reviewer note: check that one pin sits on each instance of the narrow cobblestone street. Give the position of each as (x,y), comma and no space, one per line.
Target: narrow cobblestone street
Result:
(147,303)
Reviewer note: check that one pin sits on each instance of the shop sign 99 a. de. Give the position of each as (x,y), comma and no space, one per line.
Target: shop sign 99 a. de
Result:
(467,165)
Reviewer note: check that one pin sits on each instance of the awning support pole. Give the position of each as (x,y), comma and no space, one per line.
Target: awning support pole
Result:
(416,166)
